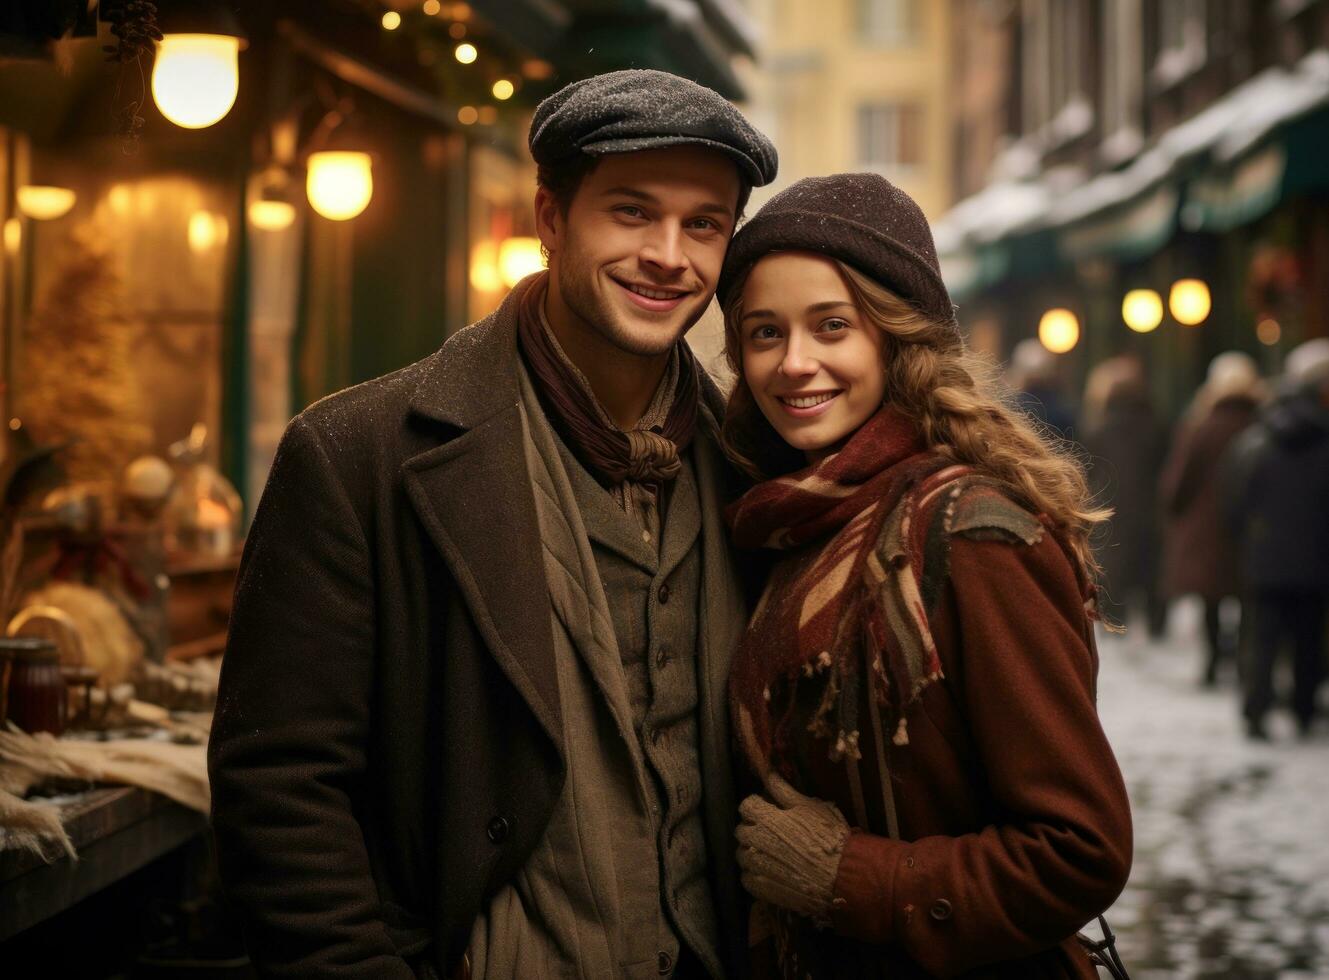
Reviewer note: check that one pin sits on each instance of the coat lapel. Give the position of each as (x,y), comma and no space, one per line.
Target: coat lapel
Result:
(473,496)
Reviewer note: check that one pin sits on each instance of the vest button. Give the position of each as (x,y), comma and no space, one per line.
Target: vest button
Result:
(663,594)
(498,829)
(662,657)
(941,910)
(657,736)
(665,962)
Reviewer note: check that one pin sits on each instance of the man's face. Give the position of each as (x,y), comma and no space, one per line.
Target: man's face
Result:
(637,256)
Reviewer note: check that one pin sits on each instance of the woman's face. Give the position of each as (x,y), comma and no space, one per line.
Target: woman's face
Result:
(811,359)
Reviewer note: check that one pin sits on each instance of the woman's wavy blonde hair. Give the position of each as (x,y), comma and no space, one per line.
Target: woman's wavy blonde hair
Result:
(957,401)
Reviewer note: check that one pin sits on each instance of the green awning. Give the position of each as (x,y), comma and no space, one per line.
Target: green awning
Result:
(1221,201)
(1130,232)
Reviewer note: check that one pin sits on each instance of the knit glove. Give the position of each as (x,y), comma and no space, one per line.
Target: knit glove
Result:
(789,850)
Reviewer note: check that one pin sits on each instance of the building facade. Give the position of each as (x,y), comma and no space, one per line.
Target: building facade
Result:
(857,85)
(1105,146)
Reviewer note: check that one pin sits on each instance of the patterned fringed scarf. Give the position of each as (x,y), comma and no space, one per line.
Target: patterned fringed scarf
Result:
(857,594)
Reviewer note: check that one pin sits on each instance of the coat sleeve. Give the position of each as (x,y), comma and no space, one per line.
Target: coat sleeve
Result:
(287,753)
(1059,849)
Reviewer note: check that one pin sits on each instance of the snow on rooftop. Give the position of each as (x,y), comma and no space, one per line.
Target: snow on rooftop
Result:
(1225,129)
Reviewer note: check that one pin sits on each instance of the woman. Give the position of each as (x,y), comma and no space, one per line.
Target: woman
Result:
(915,692)
(1199,555)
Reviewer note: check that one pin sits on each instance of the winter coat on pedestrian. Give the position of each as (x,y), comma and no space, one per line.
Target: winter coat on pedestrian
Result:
(1048,406)
(1126,447)
(954,726)
(1277,494)
(1199,555)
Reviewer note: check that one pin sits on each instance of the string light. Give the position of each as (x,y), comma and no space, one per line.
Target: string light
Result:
(467,115)
(466,53)
(391,20)
(503,89)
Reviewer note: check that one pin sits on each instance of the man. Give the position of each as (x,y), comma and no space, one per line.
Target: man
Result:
(1277,484)
(472,719)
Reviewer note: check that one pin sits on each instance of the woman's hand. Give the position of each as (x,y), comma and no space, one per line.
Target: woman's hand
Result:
(789,850)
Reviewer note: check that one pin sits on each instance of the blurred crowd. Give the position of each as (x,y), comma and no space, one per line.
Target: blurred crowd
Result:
(1230,504)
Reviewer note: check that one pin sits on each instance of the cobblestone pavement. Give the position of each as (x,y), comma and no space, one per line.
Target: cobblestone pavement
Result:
(1231,873)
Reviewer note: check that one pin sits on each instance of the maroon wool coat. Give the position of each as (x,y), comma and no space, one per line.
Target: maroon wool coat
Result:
(1199,554)
(1015,826)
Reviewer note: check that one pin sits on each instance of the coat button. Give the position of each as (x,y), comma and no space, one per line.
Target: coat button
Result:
(661,657)
(663,594)
(665,962)
(498,829)
(941,910)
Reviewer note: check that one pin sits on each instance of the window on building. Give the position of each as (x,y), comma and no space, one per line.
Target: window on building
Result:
(889,21)
(1123,76)
(890,136)
(1182,31)
(1057,69)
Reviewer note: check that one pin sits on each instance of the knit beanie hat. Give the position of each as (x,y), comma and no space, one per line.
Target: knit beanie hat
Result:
(861,219)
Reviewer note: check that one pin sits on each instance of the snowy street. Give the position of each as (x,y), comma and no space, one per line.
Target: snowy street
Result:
(1231,873)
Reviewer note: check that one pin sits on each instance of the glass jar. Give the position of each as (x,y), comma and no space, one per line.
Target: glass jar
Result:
(33,687)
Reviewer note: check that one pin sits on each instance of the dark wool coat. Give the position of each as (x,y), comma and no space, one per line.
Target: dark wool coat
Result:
(1199,555)
(1015,826)
(387,747)
(1277,488)
(1126,450)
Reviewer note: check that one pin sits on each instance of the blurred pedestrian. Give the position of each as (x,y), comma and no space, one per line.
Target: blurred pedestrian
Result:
(1277,488)
(1037,389)
(1199,555)
(1125,443)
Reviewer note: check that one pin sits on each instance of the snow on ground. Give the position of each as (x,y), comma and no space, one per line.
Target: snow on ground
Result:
(1231,873)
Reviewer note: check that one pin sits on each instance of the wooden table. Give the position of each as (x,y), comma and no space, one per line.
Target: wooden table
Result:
(116,831)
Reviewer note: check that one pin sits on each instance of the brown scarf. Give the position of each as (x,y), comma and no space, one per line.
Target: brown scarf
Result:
(612,456)
(848,596)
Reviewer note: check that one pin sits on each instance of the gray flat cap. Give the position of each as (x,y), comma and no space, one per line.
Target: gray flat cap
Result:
(636,109)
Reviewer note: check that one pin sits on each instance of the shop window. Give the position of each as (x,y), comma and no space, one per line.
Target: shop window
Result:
(115,336)
(1182,31)
(890,136)
(888,21)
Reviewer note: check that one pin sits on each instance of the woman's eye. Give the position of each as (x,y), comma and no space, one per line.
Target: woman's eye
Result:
(834,325)
(765,332)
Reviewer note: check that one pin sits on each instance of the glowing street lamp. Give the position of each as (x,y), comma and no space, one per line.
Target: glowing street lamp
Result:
(13,236)
(45,203)
(1142,309)
(484,273)
(206,231)
(518,258)
(1189,302)
(339,183)
(1059,330)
